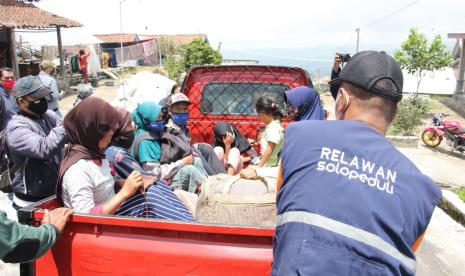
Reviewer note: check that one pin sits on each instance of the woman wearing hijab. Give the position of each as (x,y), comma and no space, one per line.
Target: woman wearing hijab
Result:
(303,103)
(186,173)
(86,179)
(230,144)
(118,151)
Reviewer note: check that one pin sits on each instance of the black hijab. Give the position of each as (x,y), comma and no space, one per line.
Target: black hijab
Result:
(240,142)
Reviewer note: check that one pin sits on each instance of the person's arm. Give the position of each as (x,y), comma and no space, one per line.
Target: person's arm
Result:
(132,185)
(227,141)
(167,171)
(266,154)
(23,141)
(54,87)
(336,67)
(279,181)
(418,242)
(335,73)
(23,243)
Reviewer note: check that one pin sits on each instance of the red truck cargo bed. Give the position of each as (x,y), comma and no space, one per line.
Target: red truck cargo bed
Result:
(97,245)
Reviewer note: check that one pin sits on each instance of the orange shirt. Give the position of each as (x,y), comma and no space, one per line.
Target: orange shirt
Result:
(83,61)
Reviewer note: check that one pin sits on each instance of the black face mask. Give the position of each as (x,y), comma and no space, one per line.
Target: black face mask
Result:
(38,106)
(125,140)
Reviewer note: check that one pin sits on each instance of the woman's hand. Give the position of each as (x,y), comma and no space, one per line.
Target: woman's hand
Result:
(228,139)
(148,181)
(133,183)
(188,160)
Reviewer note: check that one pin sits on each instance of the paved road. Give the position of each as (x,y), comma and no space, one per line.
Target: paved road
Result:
(443,249)
(442,165)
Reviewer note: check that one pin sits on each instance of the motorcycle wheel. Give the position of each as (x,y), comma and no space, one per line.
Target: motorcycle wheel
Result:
(430,138)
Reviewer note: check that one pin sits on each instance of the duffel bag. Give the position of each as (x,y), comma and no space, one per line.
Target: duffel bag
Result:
(229,199)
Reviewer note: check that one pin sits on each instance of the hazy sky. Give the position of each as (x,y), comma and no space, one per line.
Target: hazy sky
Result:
(249,24)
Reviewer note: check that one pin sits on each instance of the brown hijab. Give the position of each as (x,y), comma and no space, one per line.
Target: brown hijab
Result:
(85,125)
(124,121)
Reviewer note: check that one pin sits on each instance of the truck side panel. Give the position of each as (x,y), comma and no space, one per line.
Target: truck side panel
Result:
(96,245)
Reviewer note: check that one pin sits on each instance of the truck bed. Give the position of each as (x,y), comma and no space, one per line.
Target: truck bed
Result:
(97,245)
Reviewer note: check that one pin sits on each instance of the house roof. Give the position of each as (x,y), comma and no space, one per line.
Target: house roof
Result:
(112,38)
(18,14)
(179,39)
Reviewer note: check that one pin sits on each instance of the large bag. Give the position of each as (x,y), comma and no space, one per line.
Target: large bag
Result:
(233,200)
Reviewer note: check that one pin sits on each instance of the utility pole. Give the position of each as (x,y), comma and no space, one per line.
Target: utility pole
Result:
(121,48)
(358,38)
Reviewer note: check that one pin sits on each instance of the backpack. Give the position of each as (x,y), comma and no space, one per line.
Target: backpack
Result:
(234,200)
(140,139)
(173,146)
(6,164)
(7,167)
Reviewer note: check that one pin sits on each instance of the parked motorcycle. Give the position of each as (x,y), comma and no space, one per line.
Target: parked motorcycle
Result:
(450,129)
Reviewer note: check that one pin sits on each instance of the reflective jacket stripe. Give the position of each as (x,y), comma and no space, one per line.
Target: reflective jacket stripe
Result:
(347,230)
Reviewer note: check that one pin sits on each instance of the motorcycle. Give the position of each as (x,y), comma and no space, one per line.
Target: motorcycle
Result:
(450,129)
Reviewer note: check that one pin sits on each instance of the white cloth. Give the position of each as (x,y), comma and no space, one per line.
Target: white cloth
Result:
(144,86)
(93,66)
(86,185)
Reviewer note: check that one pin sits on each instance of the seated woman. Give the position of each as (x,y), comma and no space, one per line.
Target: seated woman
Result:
(230,144)
(186,173)
(303,103)
(118,150)
(86,180)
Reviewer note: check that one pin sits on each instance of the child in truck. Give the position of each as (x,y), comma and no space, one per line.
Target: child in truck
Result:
(272,140)
(231,147)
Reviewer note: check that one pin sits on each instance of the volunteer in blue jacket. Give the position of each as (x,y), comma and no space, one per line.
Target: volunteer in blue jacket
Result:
(350,202)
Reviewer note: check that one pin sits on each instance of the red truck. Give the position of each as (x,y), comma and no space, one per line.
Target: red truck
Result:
(112,245)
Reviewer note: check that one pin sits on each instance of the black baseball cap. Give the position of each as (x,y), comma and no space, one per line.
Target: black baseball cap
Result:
(365,69)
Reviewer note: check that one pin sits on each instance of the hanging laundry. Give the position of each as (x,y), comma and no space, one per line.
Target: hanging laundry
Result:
(126,54)
(149,47)
(136,52)
(93,66)
(75,63)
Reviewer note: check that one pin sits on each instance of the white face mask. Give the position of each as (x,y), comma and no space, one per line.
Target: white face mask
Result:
(339,115)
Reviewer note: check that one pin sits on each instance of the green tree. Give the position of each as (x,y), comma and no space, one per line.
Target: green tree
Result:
(417,56)
(167,47)
(173,65)
(198,52)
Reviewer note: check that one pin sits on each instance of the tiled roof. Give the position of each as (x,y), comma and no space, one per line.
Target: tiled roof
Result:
(17,14)
(176,39)
(112,38)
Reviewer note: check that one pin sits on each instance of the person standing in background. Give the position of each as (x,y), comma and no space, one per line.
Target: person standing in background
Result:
(8,105)
(83,62)
(46,70)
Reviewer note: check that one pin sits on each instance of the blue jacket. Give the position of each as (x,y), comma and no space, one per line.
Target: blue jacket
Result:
(350,203)
(39,144)
(8,107)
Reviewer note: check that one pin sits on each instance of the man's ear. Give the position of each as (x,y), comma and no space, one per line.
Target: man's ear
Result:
(20,101)
(394,116)
(342,100)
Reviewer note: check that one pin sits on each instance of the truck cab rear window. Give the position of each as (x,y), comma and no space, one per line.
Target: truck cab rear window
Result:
(237,98)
